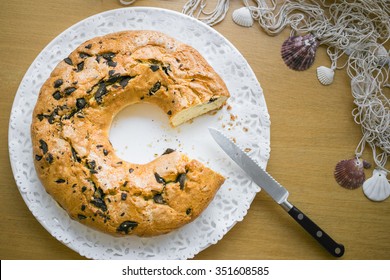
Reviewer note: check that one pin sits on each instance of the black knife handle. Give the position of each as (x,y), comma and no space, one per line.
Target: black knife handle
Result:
(315,231)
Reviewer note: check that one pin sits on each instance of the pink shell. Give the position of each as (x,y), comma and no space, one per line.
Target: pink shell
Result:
(349,173)
(298,52)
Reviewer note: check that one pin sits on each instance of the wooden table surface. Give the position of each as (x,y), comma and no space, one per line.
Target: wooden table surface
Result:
(311,130)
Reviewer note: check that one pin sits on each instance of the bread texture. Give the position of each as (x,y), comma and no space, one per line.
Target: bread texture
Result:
(74,158)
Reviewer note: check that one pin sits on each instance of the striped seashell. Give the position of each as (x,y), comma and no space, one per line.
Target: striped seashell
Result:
(298,52)
(349,173)
(377,188)
(325,75)
(243,17)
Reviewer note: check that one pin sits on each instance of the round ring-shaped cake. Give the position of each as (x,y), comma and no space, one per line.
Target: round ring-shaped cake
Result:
(74,158)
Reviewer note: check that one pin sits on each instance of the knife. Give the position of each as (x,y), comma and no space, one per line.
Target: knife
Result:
(276,191)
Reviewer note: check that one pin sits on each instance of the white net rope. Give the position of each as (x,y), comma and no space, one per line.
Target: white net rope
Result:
(199,10)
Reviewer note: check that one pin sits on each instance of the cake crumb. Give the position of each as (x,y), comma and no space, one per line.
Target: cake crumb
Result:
(247,150)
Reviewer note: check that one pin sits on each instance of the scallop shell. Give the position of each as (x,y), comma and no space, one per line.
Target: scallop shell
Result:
(325,75)
(349,173)
(377,188)
(243,17)
(298,52)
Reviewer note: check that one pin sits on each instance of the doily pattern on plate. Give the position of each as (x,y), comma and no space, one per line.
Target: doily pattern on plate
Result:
(245,119)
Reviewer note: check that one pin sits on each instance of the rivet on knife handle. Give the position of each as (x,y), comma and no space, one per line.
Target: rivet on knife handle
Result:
(315,231)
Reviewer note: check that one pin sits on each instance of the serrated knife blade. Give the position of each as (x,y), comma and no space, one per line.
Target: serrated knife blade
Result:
(276,191)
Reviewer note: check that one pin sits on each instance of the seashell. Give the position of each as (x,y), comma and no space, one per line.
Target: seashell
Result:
(243,17)
(349,173)
(298,52)
(325,75)
(377,188)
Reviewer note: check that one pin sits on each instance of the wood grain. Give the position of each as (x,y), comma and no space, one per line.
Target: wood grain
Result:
(311,130)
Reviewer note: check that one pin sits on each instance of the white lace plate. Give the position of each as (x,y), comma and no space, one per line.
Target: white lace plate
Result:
(245,118)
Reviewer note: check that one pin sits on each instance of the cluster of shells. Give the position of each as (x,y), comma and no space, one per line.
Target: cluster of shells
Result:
(350,175)
(298,52)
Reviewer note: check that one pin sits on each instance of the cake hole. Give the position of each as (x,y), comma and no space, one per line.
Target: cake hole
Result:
(141,132)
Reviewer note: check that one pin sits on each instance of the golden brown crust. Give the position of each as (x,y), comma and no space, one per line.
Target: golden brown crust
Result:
(74,158)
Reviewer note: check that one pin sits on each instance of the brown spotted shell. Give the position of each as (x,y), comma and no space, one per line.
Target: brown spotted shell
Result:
(298,52)
(349,173)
